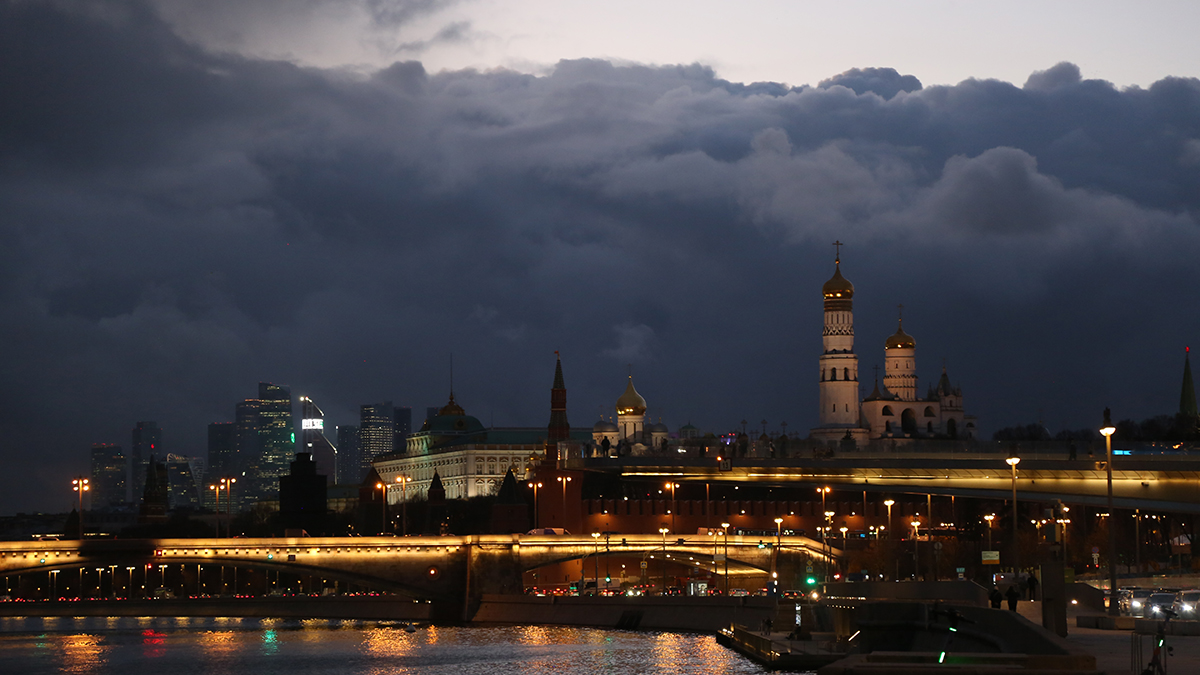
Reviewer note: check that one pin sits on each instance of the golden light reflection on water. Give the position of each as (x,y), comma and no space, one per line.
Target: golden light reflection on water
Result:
(83,653)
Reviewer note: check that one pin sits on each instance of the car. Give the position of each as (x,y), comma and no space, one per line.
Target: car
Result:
(1158,604)
(738,592)
(1134,604)
(1187,603)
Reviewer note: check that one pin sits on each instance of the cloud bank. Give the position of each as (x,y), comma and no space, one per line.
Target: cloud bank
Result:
(180,224)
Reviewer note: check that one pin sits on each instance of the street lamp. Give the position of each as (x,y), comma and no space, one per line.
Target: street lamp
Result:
(888,503)
(1013,461)
(825,542)
(725,526)
(383,491)
(989,518)
(80,485)
(672,487)
(775,558)
(403,481)
(564,480)
(843,529)
(596,566)
(663,531)
(916,525)
(1107,431)
(535,487)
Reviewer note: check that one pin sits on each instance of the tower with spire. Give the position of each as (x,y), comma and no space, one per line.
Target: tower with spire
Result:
(839,403)
(558,429)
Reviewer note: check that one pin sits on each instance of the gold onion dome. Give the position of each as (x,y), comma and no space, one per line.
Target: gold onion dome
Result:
(900,340)
(452,408)
(631,402)
(838,287)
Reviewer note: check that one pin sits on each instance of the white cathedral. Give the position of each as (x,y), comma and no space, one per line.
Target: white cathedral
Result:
(894,413)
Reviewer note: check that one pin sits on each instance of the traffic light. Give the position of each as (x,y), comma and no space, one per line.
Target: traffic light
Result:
(810,580)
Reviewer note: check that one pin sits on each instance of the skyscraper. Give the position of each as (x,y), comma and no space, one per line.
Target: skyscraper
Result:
(108,475)
(277,438)
(313,440)
(349,467)
(184,475)
(376,431)
(222,449)
(147,439)
(247,448)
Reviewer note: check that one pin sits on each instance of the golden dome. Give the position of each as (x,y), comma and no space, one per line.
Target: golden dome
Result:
(452,408)
(900,340)
(838,288)
(631,402)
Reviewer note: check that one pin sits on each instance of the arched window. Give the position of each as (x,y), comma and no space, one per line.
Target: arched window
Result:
(929,411)
(833,374)
(834,408)
(952,428)
(845,373)
(887,410)
(908,421)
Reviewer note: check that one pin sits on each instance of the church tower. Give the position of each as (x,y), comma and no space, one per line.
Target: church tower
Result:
(631,414)
(900,361)
(839,411)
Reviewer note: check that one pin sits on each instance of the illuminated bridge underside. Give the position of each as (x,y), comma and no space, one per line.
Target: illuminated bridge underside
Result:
(1165,483)
(433,568)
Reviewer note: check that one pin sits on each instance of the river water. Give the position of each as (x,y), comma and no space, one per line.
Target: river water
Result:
(180,646)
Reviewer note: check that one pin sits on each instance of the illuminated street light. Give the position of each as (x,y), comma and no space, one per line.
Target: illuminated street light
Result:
(916,525)
(888,503)
(1013,461)
(383,491)
(725,526)
(564,480)
(674,504)
(989,518)
(535,487)
(403,481)
(79,486)
(663,531)
(596,538)
(1107,430)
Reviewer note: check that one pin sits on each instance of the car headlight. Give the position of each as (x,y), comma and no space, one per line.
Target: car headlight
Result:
(1187,608)
(1154,609)
(1137,603)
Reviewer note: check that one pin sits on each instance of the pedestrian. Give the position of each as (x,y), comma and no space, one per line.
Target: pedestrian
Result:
(1013,595)
(1033,586)
(995,597)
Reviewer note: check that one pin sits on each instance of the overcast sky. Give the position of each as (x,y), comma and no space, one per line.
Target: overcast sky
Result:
(338,195)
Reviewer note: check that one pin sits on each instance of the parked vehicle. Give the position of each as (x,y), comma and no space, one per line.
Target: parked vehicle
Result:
(1187,603)
(1155,604)
(1134,604)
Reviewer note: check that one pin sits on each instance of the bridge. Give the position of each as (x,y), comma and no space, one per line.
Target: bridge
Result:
(1163,482)
(449,572)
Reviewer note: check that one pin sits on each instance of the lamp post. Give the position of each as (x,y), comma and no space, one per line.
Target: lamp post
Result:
(383,512)
(1013,461)
(564,480)
(843,530)
(403,481)
(989,518)
(916,525)
(1107,431)
(535,486)
(663,531)
(889,503)
(825,542)
(725,526)
(79,486)
(775,558)
(228,481)
(672,486)
(596,565)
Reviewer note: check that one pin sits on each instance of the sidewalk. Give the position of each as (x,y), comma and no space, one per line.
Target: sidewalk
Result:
(1112,647)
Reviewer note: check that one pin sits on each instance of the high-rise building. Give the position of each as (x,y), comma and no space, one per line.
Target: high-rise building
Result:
(376,431)
(313,440)
(402,428)
(246,447)
(349,467)
(147,440)
(184,479)
(222,448)
(108,476)
(277,439)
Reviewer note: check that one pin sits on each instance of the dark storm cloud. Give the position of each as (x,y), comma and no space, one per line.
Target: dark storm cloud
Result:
(181,224)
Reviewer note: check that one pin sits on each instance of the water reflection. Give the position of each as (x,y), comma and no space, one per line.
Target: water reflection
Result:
(285,647)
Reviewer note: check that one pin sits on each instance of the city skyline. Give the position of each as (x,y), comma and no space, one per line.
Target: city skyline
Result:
(184,220)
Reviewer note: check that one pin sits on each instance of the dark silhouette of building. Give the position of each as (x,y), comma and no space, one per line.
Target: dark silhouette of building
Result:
(109,469)
(510,512)
(147,440)
(402,428)
(558,429)
(155,494)
(313,440)
(437,515)
(222,448)
(302,495)
(350,466)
